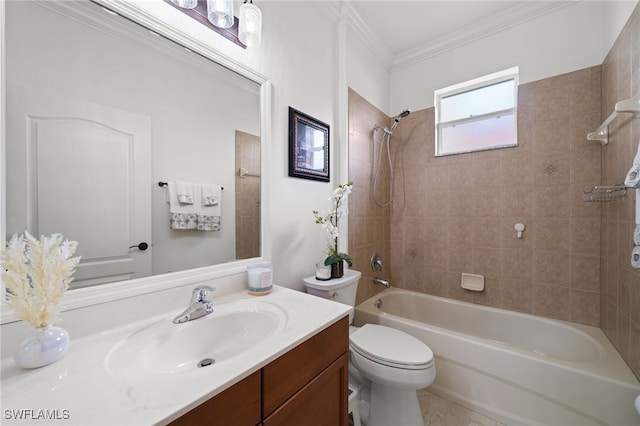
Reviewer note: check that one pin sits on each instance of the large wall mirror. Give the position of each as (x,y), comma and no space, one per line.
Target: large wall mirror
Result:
(100,112)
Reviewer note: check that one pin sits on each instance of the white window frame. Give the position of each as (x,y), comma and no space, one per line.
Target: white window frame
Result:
(467,86)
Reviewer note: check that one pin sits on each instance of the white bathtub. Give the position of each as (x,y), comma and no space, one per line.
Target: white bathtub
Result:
(512,367)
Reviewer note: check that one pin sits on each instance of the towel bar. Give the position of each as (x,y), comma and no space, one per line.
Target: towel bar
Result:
(631,105)
(161,183)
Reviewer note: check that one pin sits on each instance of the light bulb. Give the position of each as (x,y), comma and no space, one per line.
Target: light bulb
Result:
(250,27)
(220,13)
(185,4)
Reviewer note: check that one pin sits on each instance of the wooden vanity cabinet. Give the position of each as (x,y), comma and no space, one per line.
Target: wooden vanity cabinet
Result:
(322,402)
(308,385)
(238,405)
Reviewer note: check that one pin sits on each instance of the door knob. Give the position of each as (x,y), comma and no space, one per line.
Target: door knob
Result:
(142,246)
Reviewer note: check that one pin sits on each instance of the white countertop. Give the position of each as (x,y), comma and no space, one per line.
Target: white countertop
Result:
(79,389)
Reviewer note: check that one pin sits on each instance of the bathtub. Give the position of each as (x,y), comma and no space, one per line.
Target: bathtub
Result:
(514,368)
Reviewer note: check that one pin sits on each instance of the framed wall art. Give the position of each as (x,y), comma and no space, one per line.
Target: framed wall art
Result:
(308,147)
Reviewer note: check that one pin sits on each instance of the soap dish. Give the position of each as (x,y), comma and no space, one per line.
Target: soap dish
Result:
(472,282)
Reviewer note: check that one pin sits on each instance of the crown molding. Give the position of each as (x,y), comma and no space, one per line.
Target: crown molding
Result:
(375,44)
(330,8)
(483,28)
(343,11)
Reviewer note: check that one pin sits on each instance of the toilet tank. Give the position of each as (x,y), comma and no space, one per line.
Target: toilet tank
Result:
(341,290)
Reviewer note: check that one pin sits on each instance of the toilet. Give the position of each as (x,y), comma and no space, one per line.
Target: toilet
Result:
(386,365)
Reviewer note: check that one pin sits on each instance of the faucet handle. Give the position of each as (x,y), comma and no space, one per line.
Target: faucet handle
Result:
(199,294)
(376,262)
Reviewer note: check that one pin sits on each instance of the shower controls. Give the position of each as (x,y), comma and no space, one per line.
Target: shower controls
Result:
(519,228)
(376,262)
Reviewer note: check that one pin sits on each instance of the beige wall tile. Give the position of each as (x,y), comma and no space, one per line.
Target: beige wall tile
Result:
(517,265)
(552,137)
(585,272)
(552,202)
(552,103)
(551,301)
(585,236)
(553,234)
(585,307)
(458,212)
(550,267)
(517,295)
(551,169)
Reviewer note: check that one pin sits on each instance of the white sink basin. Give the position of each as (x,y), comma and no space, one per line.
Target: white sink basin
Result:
(233,329)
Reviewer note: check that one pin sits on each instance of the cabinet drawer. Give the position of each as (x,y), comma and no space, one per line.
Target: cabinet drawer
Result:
(322,402)
(239,405)
(285,376)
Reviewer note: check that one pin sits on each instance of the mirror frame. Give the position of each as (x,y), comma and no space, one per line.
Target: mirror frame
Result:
(89,296)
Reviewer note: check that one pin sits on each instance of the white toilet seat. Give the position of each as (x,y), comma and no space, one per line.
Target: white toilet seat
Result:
(390,347)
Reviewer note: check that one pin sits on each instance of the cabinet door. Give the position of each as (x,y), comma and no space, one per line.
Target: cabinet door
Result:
(239,406)
(285,376)
(322,402)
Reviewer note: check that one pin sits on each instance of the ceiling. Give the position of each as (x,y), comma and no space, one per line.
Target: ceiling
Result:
(405,25)
(404,31)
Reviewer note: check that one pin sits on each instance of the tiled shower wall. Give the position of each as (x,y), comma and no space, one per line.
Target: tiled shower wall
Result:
(247,196)
(368,224)
(456,214)
(620,292)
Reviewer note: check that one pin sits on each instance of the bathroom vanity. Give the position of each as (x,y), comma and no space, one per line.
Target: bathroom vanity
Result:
(307,385)
(135,375)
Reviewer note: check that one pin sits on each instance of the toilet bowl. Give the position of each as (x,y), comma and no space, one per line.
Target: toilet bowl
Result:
(386,365)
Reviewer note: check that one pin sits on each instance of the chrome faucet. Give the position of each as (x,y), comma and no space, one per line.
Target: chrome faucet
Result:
(384,283)
(199,306)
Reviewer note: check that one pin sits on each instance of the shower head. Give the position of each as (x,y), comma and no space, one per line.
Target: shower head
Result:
(402,115)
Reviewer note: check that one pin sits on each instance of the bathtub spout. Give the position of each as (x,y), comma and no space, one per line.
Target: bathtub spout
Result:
(384,283)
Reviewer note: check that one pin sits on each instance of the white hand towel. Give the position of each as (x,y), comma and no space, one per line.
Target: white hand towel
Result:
(208,215)
(636,235)
(185,192)
(174,204)
(633,176)
(204,209)
(210,194)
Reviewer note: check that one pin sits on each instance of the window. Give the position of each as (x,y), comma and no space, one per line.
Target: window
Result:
(478,115)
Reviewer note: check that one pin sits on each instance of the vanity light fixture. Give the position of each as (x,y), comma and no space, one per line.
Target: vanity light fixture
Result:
(220,13)
(250,27)
(217,15)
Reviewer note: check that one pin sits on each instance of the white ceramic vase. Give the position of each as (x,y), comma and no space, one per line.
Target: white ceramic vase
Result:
(42,347)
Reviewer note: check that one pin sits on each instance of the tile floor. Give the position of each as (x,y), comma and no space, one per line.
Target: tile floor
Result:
(437,411)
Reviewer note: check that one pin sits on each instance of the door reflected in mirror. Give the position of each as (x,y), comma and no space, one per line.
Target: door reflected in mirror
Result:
(97,115)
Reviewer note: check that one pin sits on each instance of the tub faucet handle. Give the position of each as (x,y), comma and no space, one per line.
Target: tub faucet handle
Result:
(376,262)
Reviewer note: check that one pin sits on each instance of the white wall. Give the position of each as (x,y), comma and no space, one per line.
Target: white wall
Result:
(366,74)
(615,15)
(567,40)
(297,54)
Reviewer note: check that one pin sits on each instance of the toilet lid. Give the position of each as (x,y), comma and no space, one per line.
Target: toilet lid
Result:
(390,346)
